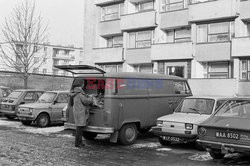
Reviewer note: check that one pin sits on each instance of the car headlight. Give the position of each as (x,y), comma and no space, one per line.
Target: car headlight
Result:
(202,131)
(159,123)
(30,110)
(189,126)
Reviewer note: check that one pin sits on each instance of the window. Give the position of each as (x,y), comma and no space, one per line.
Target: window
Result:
(218,70)
(161,68)
(45,49)
(30,96)
(44,71)
(66,62)
(55,72)
(116,41)
(45,60)
(171,5)
(140,39)
(35,70)
(143,6)
(215,32)
(56,62)
(178,35)
(248,29)
(111,67)
(176,71)
(144,68)
(112,12)
(245,69)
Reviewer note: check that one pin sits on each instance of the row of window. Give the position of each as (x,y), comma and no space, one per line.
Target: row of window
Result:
(113,12)
(206,33)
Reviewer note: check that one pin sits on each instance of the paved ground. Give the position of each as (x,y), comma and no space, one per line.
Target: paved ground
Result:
(22,145)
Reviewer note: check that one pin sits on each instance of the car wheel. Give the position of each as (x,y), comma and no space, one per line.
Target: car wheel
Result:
(163,142)
(26,122)
(9,117)
(198,146)
(43,120)
(216,154)
(128,134)
(89,135)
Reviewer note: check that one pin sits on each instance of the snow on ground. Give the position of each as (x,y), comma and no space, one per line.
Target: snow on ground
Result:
(145,145)
(31,129)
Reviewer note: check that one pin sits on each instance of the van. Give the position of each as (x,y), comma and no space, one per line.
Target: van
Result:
(126,102)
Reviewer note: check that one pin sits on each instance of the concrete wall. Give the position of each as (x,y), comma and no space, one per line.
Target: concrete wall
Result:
(36,82)
(241,47)
(244,10)
(217,87)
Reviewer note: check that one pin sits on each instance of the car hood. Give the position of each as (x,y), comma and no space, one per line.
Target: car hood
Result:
(185,118)
(227,122)
(35,105)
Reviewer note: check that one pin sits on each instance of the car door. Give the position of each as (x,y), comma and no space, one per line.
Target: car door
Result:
(57,107)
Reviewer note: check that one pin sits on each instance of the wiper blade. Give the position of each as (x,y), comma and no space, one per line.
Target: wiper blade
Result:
(194,109)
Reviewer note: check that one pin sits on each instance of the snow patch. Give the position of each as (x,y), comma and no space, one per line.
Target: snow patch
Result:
(200,157)
(146,145)
(13,124)
(43,131)
(164,149)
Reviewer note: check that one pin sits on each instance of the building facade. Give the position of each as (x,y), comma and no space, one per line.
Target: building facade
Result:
(187,38)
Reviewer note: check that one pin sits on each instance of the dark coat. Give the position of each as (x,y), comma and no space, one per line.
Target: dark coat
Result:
(81,104)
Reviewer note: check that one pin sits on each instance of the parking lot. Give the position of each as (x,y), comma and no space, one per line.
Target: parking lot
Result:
(29,145)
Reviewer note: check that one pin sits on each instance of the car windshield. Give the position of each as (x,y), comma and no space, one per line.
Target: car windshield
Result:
(47,97)
(196,106)
(235,108)
(15,94)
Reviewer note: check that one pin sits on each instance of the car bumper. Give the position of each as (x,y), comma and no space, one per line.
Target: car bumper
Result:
(224,147)
(8,112)
(94,129)
(157,131)
(25,117)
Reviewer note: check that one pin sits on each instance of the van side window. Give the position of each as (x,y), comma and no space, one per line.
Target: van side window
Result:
(181,87)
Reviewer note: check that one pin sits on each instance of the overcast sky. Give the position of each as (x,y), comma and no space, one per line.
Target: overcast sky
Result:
(64,17)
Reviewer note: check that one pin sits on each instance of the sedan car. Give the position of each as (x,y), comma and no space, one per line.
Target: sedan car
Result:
(228,131)
(181,126)
(9,105)
(48,109)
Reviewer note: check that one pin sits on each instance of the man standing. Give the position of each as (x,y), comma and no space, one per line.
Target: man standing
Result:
(80,102)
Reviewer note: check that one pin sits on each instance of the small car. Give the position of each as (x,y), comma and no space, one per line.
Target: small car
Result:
(9,105)
(228,131)
(48,109)
(181,126)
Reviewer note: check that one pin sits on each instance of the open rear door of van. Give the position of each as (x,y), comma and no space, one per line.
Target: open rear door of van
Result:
(81,69)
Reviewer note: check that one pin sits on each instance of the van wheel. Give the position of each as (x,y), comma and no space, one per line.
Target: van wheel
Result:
(216,154)
(163,142)
(128,134)
(89,135)
(43,120)
(26,122)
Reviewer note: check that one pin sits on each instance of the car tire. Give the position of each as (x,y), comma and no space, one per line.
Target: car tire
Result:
(198,146)
(89,135)
(26,122)
(9,117)
(163,142)
(128,134)
(43,120)
(216,154)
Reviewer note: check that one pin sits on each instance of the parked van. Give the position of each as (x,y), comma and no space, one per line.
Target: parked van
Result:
(126,102)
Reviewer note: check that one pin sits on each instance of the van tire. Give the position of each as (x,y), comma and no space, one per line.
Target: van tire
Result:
(43,120)
(10,117)
(216,154)
(128,134)
(26,122)
(163,142)
(89,135)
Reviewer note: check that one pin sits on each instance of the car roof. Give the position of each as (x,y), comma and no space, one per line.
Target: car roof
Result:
(132,75)
(210,97)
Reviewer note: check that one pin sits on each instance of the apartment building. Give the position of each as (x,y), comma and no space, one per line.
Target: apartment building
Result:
(46,56)
(187,38)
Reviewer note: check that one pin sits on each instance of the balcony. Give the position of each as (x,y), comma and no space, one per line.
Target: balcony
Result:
(140,20)
(105,2)
(111,27)
(172,51)
(213,51)
(244,10)
(240,47)
(217,9)
(64,56)
(108,55)
(174,19)
(138,55)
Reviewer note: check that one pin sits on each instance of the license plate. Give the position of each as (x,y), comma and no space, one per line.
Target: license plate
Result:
(227,135)
(172,139)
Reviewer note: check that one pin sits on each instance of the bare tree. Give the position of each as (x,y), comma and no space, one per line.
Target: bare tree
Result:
(23,33)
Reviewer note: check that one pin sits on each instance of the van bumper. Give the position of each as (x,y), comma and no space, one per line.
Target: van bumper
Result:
(94,129)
